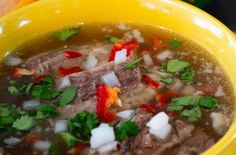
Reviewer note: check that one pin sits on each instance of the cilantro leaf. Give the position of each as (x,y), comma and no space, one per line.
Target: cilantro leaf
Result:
(24,123)
(188,75)
(8,114)
(186,100)
(66,34)
(127,129)
(45,111)
(175,43)
(81,125)
(112,39)
(133,64)
(208,102)
(54,148)
(13,90)
(176,66)
(192,115)
(69,139)
(68,96)
(168,80)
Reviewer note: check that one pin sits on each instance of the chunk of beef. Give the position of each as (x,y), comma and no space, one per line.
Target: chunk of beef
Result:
(220,122)
(49,62)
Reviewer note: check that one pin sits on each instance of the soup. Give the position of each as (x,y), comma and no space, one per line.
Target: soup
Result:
(112,89)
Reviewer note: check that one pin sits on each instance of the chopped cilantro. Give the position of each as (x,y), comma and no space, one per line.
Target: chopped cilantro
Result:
(127,129)
(133,64)
(45,110)
(175,66)
(66,34)
(68,96)
(12,82)
(81,125)
(54,148)
(192,115)
(69,139)
(175,43)
(188,75)
(208,102)
(8,114)
(24,123)
(13,90)
(112,39)
(168,80)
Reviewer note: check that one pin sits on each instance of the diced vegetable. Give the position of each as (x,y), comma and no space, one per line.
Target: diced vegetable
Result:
(108,147)
(66,34)
(126,114)
(219,91)
(133,64)
(112,39)
(12,60)
(175,66)
(22,71)
(91,62)
(147,60)
(72,54)
(127,129)
(30,104)
(168,80)
(102,135)
(148,107)
(188,75)
(41,145)
(67,71)
(12,141)
(65,82)
(175,43)
(68,96)
(193,114)
(13,90)
(45,111)
(32,138)
(150,82)
(164,55)
(8,114)
(110,79)
(69,139)
(37,79)
(120,56)
(60,126)
(24,123)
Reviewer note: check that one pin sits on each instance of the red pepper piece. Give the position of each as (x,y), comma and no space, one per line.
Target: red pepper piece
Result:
(66,71)
(207,90)
(32,138)
(129,46)
(77,149)
(22,71)
(108,117)
(37,79)
(151,82)
(148,107)
(72,54)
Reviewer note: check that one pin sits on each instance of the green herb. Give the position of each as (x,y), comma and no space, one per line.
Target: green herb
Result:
(28,88)
(8,114)
(24,123)
(69,139)
(144,69)
(81,125)
(192,115)
(176,66)
(112,39)
(175,43)
(168,80)
(133,64)
(54,148)
(191,106)
(127,129)
(45,111)
(68,95)
(66,34)
(13,90)
(188,75)
(12,82)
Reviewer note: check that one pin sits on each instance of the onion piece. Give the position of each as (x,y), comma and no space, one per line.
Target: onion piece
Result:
(147,60)
(108,147)
(102,135)
(12,141)
(11,60)
(126,114)
(91,62)
(41,145)
(110,79)
(60,126)
(159,126)
(30,104)
(65,82)
(164,55)
(120,56)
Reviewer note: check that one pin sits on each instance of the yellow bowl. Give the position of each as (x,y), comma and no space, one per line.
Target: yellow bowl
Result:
(47,15)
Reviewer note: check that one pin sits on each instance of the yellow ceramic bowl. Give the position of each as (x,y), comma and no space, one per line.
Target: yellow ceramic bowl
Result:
(47,15)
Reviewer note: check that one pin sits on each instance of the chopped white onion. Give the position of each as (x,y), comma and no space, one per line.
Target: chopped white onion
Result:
(41,145)
(108,147)
(11,60)
(30,104)
(158,125)
(110,79)
(147,60)
(91,62)
(65,82)
(60,126)
(126,114)
(12,141)
(164,55)
(219,92)
(120,56)
(102,135)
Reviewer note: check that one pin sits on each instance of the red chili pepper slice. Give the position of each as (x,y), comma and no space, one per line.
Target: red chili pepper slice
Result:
(66,71)
(129,46)
(32,138)
(151,82)
(72,54)
(148,107)
(164,99)
(22,71)
(37,79)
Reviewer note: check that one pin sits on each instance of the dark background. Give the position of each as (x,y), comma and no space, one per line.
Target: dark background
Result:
(224,10)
